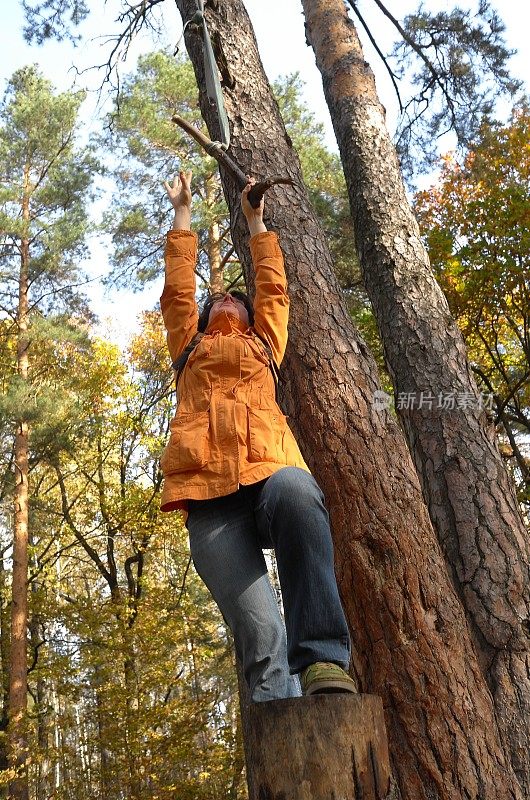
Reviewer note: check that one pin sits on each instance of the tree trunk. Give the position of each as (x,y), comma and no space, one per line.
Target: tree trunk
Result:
(323,747)
(238,763)
(105,761)
(470,496)
(4,663)
(121,612)
(18,670)
(43,788)
(214,238)
(410,639)
(44,773)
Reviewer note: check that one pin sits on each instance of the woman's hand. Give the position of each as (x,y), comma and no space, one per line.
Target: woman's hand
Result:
(254,216)
(180,198)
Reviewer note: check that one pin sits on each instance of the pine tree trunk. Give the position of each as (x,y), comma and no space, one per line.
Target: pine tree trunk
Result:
(4,663)
(18,670)
(470,496)
(214,238)
(43,787)
(410,638)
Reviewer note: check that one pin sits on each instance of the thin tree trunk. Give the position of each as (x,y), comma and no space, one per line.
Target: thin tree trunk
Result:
(470,496)
(238,764)
(105,766)
(43,785)
(18,684)
(131,696)
(214,237)
(58,760)
(410,638)
(131,734)
(63,767)
(4,659)
(44,768)
(82,747)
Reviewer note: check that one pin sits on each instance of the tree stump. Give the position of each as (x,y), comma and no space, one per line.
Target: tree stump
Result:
(321,747)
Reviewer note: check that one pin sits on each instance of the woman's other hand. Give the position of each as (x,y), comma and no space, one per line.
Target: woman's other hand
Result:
(179,194)
(254,216)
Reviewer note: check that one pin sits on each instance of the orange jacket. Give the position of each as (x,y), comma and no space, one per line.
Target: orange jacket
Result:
(228,429)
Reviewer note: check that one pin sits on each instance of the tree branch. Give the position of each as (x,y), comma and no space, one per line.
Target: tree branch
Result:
(77,533)
(419,52)
(378,51)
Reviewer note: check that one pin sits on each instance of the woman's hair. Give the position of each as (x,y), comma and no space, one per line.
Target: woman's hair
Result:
(214,298)
(202,324)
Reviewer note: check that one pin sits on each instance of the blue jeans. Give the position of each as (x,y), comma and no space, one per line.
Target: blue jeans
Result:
(227,536)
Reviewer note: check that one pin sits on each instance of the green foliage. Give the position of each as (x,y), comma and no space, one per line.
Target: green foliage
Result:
(53,19)
(137,666)
(45,187)
(323,175)
(458,62)
(476,226)
(43,167)
(150,149)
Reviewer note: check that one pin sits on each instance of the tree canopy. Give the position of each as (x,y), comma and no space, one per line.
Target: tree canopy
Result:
(475,221)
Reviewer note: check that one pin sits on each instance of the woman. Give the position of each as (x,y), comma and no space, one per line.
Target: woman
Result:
(233,467)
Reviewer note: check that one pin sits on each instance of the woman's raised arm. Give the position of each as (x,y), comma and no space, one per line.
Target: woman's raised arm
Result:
(178,305)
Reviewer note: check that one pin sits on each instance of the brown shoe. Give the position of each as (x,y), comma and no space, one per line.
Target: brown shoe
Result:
(326,678)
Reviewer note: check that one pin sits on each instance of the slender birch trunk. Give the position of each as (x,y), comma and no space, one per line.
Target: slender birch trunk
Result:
(131,695)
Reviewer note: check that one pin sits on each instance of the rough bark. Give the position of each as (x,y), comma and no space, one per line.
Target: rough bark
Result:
(18,666)
(319,748)
(410,637)
(470,496)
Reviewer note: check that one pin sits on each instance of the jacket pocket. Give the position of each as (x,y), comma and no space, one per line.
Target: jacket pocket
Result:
(187,447)
(266,428)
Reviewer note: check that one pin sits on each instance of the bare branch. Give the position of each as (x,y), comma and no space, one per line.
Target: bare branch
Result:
(378,51)
(418,50)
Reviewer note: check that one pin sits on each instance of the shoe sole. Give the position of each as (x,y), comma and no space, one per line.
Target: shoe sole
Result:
(330,687)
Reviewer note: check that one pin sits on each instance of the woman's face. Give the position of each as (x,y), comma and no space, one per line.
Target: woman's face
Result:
(231,305)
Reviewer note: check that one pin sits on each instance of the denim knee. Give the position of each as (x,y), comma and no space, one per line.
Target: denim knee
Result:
(294,484)
(290,496)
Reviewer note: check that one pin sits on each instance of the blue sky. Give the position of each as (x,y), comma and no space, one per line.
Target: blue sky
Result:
(279,29)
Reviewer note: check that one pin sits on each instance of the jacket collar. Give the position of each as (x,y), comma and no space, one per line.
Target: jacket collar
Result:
(226,323)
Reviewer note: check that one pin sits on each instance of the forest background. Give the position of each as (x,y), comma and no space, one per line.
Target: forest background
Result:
(132,688)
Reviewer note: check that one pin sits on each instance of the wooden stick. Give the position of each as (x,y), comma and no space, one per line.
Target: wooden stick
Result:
(216,150)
